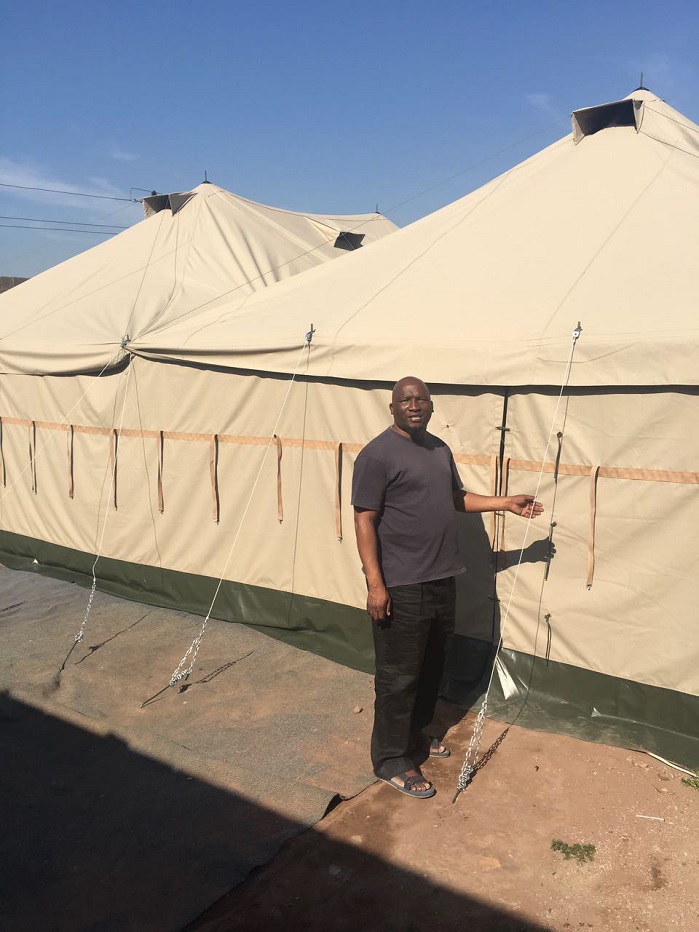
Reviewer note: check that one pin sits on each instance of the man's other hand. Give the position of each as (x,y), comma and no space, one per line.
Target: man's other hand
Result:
(378,603)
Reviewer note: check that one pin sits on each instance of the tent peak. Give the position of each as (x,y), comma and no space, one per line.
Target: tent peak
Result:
(641,93)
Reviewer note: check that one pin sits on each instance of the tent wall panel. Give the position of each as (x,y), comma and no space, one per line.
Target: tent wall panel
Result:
(192,407)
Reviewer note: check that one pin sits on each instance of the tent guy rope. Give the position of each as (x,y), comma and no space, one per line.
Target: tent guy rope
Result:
(471,762)
(184,668)
(111,466)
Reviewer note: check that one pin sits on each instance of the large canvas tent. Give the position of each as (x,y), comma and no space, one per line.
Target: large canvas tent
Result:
(228,439)
(193,248)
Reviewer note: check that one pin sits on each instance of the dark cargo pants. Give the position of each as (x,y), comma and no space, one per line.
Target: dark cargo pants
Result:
(410,650)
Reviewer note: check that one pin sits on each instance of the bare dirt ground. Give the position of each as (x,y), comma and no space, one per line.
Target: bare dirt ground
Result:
(383,862)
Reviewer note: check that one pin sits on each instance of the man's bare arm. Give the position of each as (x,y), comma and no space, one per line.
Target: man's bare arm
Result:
(524,505)
(378,603)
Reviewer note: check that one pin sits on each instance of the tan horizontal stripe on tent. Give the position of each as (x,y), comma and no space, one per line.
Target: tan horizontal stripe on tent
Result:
(470,459)
(610,472)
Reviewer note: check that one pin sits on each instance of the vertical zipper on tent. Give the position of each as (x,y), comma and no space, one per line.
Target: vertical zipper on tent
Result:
(70,437)
(161,451)
(213,468)
(338,491)
(113,461)
(280,500)
(32,455)
(594,473)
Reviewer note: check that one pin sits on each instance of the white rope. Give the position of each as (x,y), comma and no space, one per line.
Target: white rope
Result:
(181,672)
(81,633)
(471,760)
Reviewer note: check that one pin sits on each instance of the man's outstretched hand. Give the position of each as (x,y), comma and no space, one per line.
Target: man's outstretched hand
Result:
(525,506)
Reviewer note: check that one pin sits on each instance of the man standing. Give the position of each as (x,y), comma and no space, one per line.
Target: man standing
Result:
(406,491)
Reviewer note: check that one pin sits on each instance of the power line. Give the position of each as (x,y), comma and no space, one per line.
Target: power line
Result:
(25,226)
(101,197)
(82,223)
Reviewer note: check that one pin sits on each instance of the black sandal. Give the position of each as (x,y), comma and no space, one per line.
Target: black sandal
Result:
(408,784)
(435,746)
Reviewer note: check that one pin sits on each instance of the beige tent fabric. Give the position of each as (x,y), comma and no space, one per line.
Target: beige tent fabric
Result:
(488,290)
(241,413)
(166,269)
(639,616)
(637,620)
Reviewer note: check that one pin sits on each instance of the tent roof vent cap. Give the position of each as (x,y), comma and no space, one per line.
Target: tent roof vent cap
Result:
(591,120)
(173,202)
(348,240)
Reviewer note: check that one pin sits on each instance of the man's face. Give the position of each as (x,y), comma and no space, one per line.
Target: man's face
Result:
(411,406)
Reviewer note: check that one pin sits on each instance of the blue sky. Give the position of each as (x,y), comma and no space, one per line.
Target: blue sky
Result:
(312,106)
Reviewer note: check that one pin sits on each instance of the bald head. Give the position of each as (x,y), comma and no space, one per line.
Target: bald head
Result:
(411,406)
(401,385)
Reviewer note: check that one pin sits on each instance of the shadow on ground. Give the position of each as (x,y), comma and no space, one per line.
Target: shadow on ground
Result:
(99,837)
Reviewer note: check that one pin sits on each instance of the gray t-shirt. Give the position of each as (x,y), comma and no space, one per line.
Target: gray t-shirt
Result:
(411,484)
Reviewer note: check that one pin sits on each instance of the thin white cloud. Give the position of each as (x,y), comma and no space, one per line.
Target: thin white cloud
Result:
(542,103)
(121,155)
(28,175)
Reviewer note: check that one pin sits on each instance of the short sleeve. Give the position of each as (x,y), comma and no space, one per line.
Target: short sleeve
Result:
(368,483)
(456,483)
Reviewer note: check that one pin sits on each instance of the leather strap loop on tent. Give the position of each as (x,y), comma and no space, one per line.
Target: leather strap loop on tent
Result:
(557,461)
(504,484)
(280,501)
(493,491)
(338,491)
(3,468)
(213,468)
(70,438)
(113,462)
(32,455)
(594,473)
(161,454)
